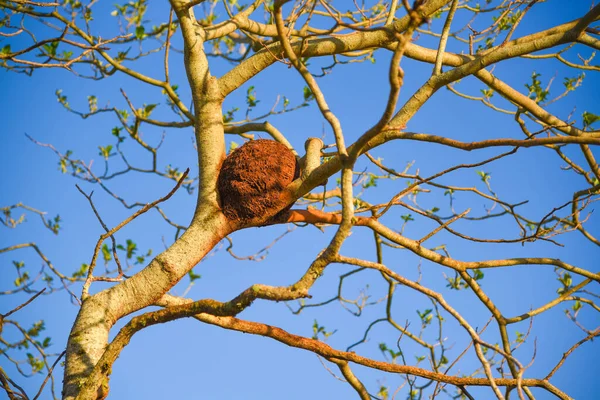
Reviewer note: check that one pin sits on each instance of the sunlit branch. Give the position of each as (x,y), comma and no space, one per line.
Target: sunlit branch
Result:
(310,81)
(176,311)
(444,38)
(319,47)
(327,352)
(352,379)
(259,127)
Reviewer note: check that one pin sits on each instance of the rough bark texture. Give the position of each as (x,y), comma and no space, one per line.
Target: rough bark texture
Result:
(98,313)
(253,177)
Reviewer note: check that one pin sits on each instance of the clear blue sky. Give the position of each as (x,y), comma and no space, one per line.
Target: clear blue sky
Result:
(186,359)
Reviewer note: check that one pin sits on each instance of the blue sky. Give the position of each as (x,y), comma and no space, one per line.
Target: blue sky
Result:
(186,359)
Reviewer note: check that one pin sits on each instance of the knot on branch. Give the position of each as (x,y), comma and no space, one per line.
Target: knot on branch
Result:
(252,179)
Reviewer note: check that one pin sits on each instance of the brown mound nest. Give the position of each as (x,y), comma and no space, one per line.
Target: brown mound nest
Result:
(252,178)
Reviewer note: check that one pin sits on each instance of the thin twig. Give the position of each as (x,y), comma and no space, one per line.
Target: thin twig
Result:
(24,304)
(112,231)
(49,374)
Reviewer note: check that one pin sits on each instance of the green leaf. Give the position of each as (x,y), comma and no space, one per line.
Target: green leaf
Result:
(425,316)
(81,272)
(567,280)
(131,248)
(573,83)
(6,49)
(407,217)
(121,55)
(251,97)
(36,328)
(50,48)
(589,119)
(62,99)
(488,93)
(142,258)
(371,182)
(536,91)
(456,283)
(147,110)
(36,364)
(21,280)
(384,349)
(64,162)
(116,131)
(229,115)
(93,103)
(106,151)
(140,32)
(484,176)
(106,254)
(193,276)
(520,337)
(54,224)
(318,329)
(308,94)
(383,393)
(87,15)
(173,173)
(507,20)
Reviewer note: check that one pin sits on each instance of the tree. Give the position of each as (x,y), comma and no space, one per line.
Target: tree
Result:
(478,279)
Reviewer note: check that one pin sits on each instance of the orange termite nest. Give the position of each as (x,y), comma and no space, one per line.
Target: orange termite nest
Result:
(252,178)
